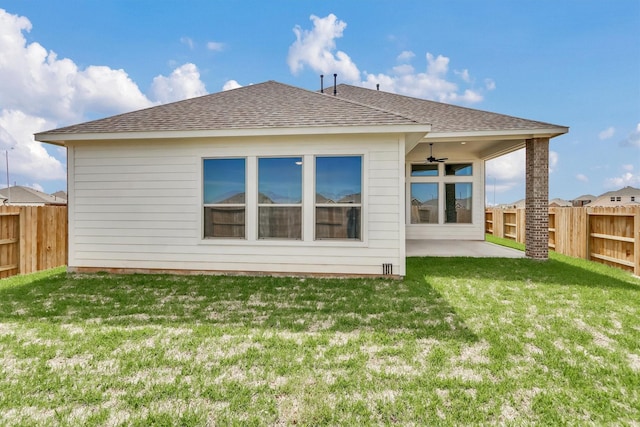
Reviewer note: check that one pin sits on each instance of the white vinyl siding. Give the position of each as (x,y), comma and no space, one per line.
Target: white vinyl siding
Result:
(138,205)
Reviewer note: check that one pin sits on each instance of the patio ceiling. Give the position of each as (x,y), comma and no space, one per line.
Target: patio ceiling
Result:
(484,149)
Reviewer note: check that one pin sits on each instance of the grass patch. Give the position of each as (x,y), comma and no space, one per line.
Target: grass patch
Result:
(459,341)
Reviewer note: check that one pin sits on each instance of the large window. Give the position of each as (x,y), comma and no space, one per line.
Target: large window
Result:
(280,198)
(441,193)
(339,197)
(424,203)
(224,198)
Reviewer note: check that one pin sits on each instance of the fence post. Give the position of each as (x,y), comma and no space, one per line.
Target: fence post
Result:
(636,245)
(22,262)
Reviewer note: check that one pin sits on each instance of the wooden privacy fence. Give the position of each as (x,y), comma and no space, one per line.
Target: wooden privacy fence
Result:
(610,235)
(32,238)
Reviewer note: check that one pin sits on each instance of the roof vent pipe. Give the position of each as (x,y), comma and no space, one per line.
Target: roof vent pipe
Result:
(321,83)
(377,86)
(335,88)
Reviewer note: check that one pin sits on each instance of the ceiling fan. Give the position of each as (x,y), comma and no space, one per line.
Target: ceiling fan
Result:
(432,159)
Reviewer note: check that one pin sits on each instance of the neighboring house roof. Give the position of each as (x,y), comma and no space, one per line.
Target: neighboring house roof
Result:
(561,203)
(60,194)
(627,196)
(585,197)
(28,196)
(272,108)
(515,205)
(442,117)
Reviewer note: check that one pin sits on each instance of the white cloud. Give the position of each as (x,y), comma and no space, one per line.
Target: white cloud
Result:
(405,56)
(39,91)
(27,157)
(184,82)
(626,179)
(582,177)
(231,84)
(100,89)
(633,140)
(36,82)
(607,133)
(464,75)
(627,167)
(489,84)
(553,161)
(215,46)
(316,48)
(509,169)
(432,84)
(187,41)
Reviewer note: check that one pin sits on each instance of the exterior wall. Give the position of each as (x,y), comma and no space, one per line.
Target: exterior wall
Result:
(441,231)
(138,205)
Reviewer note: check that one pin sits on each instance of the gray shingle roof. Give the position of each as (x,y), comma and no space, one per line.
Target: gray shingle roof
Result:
(26,195)
(260,106)
(277,105)
(442,117)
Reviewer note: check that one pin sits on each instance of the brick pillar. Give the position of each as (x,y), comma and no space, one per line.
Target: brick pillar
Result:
(537,199)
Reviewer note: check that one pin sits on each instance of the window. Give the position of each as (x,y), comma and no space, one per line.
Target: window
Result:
(339,197)
(458,201)
(424,170)
(280,198)
(618,198)
(633,198)
(424,203)
(463,169)
(613,199)
(224,198)
(441,193)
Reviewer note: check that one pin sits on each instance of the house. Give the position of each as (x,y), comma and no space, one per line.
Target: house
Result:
(518,204)
(559,203)
(627,196)
(18,195)
(60,194)
(583,200)
(275,179)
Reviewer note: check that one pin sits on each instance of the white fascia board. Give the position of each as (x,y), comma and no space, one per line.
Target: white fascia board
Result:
(61,139)
(497,134)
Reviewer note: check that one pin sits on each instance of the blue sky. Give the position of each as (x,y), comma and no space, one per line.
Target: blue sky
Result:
(573,63)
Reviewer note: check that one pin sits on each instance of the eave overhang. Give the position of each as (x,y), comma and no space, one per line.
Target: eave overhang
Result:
(496,135)
(415,133)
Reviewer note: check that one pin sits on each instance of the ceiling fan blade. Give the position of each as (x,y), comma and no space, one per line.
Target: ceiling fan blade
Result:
(432,159)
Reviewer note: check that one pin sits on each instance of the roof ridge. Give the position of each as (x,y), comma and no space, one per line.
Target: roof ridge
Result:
(350,101)
(373,107)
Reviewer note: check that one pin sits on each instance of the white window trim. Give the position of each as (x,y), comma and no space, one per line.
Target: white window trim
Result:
(361,204)
(441,180)
(230,205)
(308,202)
(258,205)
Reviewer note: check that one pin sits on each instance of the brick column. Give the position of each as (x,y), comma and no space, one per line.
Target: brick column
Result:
(537,199)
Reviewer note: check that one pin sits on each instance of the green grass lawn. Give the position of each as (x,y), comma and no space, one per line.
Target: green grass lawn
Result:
(459,341)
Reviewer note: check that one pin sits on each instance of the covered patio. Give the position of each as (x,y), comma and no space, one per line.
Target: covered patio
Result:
(445,173)
(459,248)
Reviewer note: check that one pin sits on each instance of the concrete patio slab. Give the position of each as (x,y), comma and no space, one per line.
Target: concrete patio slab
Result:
(460,248)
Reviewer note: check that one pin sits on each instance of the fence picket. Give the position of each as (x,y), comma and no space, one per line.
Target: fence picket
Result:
(610,235)
(32,238)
